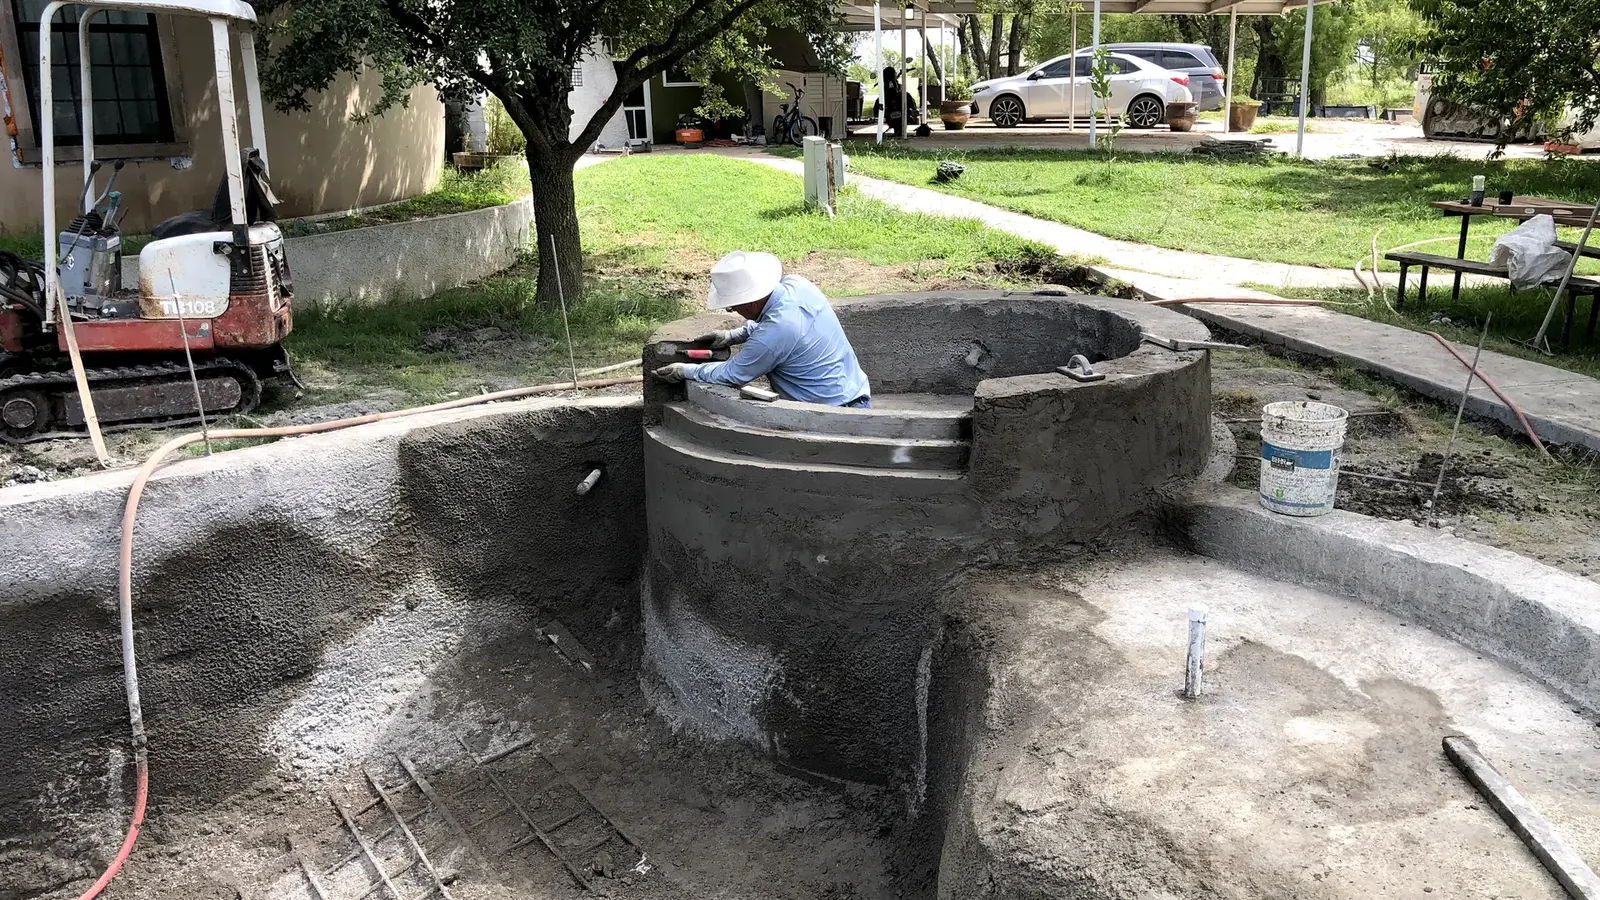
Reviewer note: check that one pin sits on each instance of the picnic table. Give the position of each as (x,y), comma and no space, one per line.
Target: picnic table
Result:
(1520,208)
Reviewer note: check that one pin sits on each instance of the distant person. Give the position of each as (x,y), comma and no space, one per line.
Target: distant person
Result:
(792,336)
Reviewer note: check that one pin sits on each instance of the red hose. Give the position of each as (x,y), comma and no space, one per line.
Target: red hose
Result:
(130,513)
(1527,426)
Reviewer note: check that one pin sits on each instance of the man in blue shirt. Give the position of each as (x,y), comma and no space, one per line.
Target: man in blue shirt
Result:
(792,336)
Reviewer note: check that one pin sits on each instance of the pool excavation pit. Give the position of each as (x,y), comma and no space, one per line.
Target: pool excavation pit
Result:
(694,645)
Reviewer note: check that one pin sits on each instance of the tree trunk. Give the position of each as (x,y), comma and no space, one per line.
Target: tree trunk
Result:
(932,57)
(555,211)
(996,33)
(1269,62)
(1019,32)
(974,42)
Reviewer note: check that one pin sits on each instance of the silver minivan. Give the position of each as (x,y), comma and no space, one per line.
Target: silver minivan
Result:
(1207,80)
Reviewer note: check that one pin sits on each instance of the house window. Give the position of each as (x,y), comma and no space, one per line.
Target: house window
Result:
(679,77)
(576,81)
(130,98)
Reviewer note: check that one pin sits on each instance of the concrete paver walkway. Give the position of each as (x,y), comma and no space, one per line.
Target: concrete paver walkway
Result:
(1563,407)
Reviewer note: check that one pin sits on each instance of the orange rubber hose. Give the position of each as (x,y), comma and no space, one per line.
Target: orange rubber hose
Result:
(130,513)
(1527,426)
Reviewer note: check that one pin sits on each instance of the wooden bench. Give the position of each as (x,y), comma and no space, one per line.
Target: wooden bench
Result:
(1590,251)
(1576,286)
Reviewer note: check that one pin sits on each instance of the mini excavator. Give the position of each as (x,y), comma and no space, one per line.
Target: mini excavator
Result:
(206,324)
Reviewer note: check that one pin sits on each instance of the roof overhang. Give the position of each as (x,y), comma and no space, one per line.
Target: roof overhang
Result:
(858,14)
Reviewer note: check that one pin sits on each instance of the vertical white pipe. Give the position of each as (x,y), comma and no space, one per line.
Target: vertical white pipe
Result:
(1195,672)
(47,154)
(877,63)
(1072,104)
(1093,100)
(922,85)
(86,99)
(1227,86)
(1305,84)
(905,72)
(228,114)
(252,94)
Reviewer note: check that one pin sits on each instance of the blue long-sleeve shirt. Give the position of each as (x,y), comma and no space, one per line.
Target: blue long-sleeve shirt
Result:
(799,345)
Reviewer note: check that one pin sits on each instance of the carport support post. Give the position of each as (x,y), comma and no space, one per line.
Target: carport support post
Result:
(1072,79)
(922,83)
(1095,41)
(905,71)
(1305,83)
(877,64)
(1227,86)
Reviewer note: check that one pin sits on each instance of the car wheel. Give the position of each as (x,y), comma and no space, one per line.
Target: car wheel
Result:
(1006,112)
(1146,112)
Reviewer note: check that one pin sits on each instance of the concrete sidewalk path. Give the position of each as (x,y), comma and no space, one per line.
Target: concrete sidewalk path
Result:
(1075,241)
(1563,406)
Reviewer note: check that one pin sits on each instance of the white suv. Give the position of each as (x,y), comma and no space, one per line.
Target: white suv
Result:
(1140,92)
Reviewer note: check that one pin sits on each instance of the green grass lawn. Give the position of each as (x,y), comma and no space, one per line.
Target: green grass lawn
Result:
(1313,212)
(652,225)
(1512,318)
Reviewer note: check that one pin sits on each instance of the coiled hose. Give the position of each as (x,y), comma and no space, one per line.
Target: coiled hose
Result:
(130,512)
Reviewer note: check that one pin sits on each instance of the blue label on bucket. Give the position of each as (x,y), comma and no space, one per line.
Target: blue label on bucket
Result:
(1290,460)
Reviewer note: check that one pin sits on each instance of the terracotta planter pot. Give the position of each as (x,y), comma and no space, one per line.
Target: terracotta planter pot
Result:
(1242,117)
(690,136)
(955,113)
(1181,116)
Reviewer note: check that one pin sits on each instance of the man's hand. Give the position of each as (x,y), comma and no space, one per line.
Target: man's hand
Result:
(672,373)
(716,340)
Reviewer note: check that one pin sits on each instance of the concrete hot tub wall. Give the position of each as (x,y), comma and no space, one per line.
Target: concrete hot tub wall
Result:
(791,603)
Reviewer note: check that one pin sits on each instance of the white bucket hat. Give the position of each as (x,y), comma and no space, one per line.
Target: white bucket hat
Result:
(742,277)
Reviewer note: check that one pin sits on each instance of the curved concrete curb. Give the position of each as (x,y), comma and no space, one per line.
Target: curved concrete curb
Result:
(403,260)
(1530,616)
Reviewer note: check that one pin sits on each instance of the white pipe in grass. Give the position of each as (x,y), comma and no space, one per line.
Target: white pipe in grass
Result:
(1197,651)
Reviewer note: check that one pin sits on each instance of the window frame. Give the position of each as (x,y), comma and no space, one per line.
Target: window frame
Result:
(28,145)
(666,80)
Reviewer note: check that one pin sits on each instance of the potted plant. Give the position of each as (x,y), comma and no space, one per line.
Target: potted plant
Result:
(1181,115)
(1242,115)
(956,107)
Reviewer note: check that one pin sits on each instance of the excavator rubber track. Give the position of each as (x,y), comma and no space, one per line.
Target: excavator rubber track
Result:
(44,405)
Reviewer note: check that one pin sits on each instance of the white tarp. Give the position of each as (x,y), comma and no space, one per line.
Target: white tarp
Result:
(1530,254)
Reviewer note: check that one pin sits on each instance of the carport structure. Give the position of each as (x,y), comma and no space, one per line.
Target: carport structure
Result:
(860,15)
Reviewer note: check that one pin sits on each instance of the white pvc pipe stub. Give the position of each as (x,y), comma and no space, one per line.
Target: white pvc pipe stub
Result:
(1195,671)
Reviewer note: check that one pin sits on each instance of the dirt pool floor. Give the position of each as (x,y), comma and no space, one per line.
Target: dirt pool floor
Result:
(584,760)
(1496,489)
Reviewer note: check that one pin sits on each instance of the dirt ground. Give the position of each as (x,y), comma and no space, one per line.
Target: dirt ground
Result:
(1496,489)
(714,822)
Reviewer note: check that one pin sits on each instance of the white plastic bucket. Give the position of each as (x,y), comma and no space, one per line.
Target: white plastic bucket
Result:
(1300,444)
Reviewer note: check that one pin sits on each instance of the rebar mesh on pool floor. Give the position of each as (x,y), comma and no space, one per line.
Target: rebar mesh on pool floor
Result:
(470,813)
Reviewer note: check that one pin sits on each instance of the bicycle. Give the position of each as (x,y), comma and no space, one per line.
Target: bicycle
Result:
(789,126)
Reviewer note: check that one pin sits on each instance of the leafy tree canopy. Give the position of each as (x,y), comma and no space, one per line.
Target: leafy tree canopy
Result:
(1497,55)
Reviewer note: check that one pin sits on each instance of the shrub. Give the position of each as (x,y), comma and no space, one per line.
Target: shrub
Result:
(503,135)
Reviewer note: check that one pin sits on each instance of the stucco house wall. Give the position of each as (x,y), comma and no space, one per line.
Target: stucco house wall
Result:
(320,160)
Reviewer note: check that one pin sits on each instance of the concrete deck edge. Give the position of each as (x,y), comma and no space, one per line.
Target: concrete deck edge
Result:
(1536,619)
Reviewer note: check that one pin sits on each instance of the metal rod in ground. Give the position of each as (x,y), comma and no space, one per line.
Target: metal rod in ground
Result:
(522,813)
(1534,830)
(317,890)
(411,839)
(372,858)
(1195,673)
(1438,484)
(194,379)
(1541,341)
(590,801)
(561,295)
(438,801)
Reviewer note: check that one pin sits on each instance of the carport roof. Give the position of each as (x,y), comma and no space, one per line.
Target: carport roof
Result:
(858,14)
